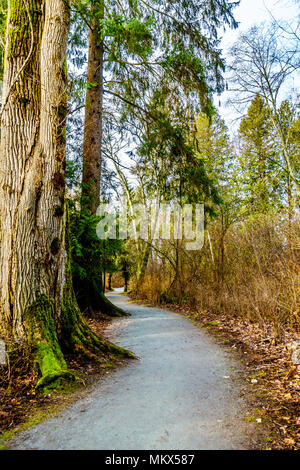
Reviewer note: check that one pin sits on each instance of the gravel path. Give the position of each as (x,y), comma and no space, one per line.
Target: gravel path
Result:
(183,393)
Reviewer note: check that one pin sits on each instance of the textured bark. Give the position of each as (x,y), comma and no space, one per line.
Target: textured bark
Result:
(93,122)
(37,302)
(32,159)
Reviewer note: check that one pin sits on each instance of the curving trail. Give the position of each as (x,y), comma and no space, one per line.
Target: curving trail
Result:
(183,393)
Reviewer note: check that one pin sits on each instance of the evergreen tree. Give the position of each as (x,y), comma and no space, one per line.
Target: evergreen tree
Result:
(259,159)
(133,43)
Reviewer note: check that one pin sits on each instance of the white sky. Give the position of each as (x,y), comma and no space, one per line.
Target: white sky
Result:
(249,13)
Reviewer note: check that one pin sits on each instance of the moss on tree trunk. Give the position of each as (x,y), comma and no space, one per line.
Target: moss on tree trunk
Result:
(37,302)
(39,325)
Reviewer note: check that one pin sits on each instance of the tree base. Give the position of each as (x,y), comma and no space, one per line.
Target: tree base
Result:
(77,335)
(92,301)
(42,338)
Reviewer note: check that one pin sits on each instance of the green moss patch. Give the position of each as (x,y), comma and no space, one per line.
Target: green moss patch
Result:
(40,329)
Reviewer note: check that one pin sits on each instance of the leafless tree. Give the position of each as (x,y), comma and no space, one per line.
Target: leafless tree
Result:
(262,63)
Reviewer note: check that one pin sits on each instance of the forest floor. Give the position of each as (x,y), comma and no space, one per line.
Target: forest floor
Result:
(274,381)
(22,406)
(184,392)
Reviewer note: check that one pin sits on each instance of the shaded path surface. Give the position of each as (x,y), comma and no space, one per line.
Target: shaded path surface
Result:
(183,393)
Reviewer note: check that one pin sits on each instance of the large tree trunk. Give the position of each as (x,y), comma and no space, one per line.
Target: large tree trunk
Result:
(36,298)
(32,182)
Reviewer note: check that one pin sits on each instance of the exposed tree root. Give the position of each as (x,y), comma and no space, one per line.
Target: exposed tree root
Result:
(76,334)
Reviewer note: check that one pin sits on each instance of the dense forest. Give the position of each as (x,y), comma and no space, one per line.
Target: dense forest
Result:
(106,101)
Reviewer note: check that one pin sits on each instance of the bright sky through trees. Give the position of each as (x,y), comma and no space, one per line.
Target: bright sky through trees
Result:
(250,13)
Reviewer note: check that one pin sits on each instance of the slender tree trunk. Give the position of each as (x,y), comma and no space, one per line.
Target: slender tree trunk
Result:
(109,281)
(282,139)
(93,121)
(104,281)
(263,194)
(290,200)
(143,263)
(90,292)
(126,283)
(222,249)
